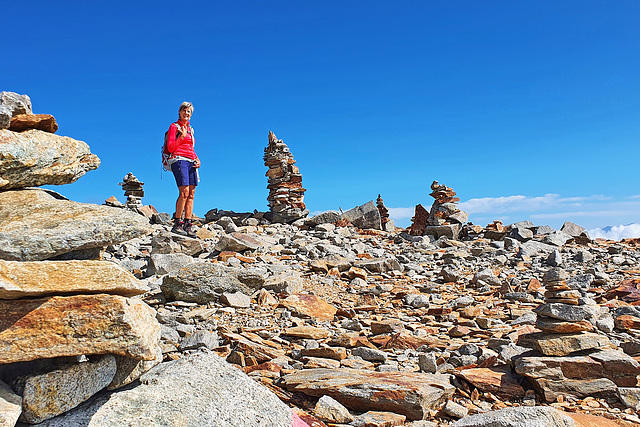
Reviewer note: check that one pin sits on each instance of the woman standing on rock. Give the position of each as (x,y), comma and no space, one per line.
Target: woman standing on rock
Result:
(184,165)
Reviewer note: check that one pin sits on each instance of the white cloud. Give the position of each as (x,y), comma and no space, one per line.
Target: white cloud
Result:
(525,203)
(401,213)
(617,232)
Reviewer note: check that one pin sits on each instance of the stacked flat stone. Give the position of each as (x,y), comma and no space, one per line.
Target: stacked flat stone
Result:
(286,195)
(444,218)
(386,222)
(571,357)
(133,190)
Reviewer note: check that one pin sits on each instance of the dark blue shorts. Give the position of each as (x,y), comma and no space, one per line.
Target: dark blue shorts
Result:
(184,172)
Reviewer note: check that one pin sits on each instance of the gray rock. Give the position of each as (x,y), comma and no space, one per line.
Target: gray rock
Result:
(166,263)
(128,370)
(205,282)
(554,275)
(568,313)
(523,224)
(554,259)
(455,410)
(630,396)
(379,265)
(450,231)
(427,362)
(557,238)
(534,248)
(461,302)
(34,158)
(5,117)
(287,282)
(198,390)
(58,226)
(46,395)
(330,410)
(521,234)
(199,339)
(365,216)
(370,354)
(237,242)
(523,416)
(236,299)
(573,230)
(10,406)
(543,229)
(17,104)
(584,256)
(328,217)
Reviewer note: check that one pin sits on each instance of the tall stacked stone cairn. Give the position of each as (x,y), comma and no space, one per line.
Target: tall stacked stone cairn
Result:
(133,191)
(386,222)
(570,357)
(69,325)
(286,195)
(444,218)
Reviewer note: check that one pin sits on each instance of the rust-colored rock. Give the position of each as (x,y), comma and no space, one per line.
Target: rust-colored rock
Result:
(310,305)
(82,324)
(44,122)
(497,380)
(408,393)
(36,279)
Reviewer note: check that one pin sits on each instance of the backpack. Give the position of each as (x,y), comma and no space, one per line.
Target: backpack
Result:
(167,156)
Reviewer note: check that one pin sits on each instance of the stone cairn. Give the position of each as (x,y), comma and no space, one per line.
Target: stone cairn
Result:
(444,219)
(575,360)
(69,327)
(286,195)
(133,190)
(386,222)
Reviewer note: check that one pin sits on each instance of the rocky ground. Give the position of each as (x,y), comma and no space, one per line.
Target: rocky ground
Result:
(293,306)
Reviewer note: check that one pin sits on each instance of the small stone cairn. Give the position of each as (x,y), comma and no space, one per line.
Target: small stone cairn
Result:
(444,219)
(386,222)
(286,195)
(571,358)
(133,190)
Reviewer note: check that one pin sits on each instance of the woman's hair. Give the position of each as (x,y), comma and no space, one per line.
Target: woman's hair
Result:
(185,105)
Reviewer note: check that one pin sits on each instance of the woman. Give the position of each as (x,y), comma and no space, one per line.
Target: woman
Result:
(184,165)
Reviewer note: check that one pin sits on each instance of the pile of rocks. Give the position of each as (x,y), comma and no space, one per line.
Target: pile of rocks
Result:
(70,325)
(574,358)
(444,218)
(386,222)
(133,191)
(16,114)
(286,195)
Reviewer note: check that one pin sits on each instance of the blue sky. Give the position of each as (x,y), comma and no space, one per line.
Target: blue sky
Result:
(528,109)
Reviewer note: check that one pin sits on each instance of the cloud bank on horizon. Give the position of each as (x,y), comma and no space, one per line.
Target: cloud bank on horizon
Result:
(604,217)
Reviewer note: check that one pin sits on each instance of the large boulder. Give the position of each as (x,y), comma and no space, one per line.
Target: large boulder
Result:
(35,157)
(199,389)
(365,216)
(40,278)
(39,224)
(83,324)
(408,393)
(205,282)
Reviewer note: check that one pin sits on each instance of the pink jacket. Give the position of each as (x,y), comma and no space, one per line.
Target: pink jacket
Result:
(183,145)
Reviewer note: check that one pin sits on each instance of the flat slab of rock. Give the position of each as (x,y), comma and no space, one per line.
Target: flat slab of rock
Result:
(533,416)
(50,394)
(408,393)
(498,380)
(205,282)
(57,226)
(310,305)
(41,278)
(565,344)
(43,122)
(237,242)
(200,389)
(35,157)
(83,324)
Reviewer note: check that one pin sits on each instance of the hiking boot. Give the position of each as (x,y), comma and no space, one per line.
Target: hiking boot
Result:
(188,228)
(178,227)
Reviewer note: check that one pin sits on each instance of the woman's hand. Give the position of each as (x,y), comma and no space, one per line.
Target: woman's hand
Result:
(196,163)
